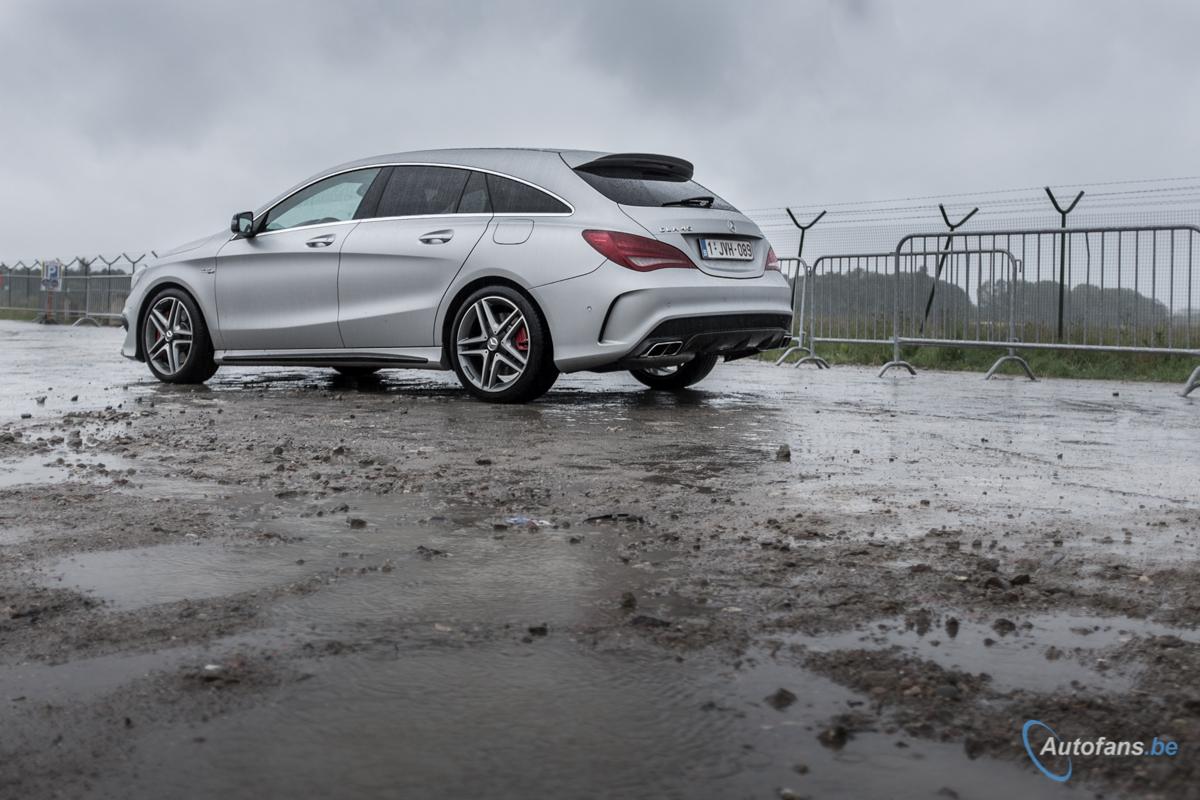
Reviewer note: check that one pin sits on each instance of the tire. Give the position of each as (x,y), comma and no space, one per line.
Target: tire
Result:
(356,372)
(175,340)
(486,344)
(681,377)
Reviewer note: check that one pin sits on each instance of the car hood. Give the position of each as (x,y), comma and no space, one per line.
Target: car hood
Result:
(195,248)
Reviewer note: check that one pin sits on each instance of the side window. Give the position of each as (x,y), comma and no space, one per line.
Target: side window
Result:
(513,197)
(422,190)
(475,198)
(334,199)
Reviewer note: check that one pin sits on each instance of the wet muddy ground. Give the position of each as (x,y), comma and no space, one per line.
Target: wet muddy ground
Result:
(290,584)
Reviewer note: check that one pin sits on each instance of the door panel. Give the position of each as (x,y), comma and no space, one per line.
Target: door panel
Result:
(278,291)
(394,273)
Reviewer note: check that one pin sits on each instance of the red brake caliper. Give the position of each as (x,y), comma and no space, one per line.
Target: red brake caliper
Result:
(522,340)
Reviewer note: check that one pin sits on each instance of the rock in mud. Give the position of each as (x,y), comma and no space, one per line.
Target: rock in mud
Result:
(834,737)
(780,699)
(428,553)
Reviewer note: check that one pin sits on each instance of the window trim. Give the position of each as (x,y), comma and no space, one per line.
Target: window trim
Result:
(390,164)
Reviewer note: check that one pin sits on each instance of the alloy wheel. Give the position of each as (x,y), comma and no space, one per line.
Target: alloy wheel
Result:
(492,342)
(168,335)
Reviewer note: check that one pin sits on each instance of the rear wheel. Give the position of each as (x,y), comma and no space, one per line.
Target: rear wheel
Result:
(500,347)
(175,340)
(676,378)
(356,372)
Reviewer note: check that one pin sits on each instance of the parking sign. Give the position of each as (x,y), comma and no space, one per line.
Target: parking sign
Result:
(52,275)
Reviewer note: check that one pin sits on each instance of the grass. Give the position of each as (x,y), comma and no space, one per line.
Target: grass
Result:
(1045,363)
(18,314)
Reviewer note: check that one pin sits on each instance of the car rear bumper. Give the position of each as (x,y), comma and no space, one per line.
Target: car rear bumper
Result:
(731,335)
(614,318)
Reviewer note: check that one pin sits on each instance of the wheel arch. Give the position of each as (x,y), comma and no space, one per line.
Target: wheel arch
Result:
(474,285)
(147,300)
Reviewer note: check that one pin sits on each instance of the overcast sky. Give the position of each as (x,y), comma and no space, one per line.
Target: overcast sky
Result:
(141,125)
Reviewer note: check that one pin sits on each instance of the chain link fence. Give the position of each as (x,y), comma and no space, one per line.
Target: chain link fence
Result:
(87,291)
(1113,268)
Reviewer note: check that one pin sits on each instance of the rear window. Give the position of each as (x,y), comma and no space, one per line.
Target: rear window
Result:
(415,191)
(514,197)
(645,192)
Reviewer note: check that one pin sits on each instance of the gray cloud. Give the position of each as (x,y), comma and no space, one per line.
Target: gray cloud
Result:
(131,125)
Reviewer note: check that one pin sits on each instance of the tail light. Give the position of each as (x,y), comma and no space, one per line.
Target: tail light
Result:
(638,253)
(772,261)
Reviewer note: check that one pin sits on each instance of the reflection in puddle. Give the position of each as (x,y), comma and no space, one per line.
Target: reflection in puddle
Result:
(1043,653)
(31,470)
(45,468)
(146,576)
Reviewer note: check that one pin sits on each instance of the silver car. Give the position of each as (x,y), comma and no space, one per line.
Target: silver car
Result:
(508,266)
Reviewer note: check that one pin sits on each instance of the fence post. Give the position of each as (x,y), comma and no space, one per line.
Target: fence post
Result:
(806,301)
(953,226)
(896,361)
(87,290)
(133,264)
(108,265)
(797,339)
(1062,251)
(1014,270)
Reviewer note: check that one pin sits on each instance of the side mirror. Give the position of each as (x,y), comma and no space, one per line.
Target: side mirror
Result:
(242,224)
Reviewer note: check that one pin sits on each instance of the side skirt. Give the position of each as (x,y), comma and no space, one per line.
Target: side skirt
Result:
(383,357)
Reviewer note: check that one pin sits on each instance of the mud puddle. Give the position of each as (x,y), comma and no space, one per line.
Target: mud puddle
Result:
(1038,653)
(381,559)
(555,718)
(54,467)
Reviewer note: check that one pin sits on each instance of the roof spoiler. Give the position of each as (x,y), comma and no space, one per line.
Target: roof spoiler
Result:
(641,166)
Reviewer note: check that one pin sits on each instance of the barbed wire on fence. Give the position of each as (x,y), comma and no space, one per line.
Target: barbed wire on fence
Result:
(84,262)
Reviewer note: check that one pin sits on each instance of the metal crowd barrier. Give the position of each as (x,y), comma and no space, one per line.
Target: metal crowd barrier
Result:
(81,299)
(798,273)
(1131,290)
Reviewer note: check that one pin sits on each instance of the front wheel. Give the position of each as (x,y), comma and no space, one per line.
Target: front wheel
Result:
(500,348)
(175,340)
(676,378)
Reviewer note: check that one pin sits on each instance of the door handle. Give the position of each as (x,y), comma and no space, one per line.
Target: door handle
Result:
(321,241)
(437,237)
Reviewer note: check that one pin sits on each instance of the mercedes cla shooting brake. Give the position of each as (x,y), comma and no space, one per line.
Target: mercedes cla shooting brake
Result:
(507,266)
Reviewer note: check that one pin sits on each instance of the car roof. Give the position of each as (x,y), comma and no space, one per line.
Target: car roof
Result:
(481,155)
(537,165)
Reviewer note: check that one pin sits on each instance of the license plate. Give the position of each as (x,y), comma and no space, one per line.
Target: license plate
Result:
(726,250)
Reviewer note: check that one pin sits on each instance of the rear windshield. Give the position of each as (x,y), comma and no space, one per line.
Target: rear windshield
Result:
(643,192)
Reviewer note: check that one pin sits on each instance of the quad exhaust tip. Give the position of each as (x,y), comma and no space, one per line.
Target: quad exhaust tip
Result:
(663,349)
